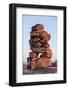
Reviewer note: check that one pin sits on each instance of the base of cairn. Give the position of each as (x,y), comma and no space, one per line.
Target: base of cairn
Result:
(41,63)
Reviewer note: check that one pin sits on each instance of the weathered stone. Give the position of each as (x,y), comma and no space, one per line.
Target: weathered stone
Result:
(39,50)
(45,36)
(44,62)
(34,28)
(34,40)
(39,44)
(48,52)
(40,27)
(34,65)
(34,34)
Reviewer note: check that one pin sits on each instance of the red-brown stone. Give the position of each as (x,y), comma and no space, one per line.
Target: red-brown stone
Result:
(39,44)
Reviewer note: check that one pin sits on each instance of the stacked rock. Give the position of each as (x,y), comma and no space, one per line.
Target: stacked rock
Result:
(41,54)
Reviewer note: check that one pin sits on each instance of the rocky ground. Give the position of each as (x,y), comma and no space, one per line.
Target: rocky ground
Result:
(39,71)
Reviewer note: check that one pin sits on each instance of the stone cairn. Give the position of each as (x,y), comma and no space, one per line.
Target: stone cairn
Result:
(41,54)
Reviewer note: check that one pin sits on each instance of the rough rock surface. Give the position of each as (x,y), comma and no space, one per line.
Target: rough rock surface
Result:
(39,44)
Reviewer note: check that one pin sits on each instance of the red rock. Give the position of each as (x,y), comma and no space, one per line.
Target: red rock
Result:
(44,35)
(34,65)
(44,62)
(39,44)
(40,27)
(48,52)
